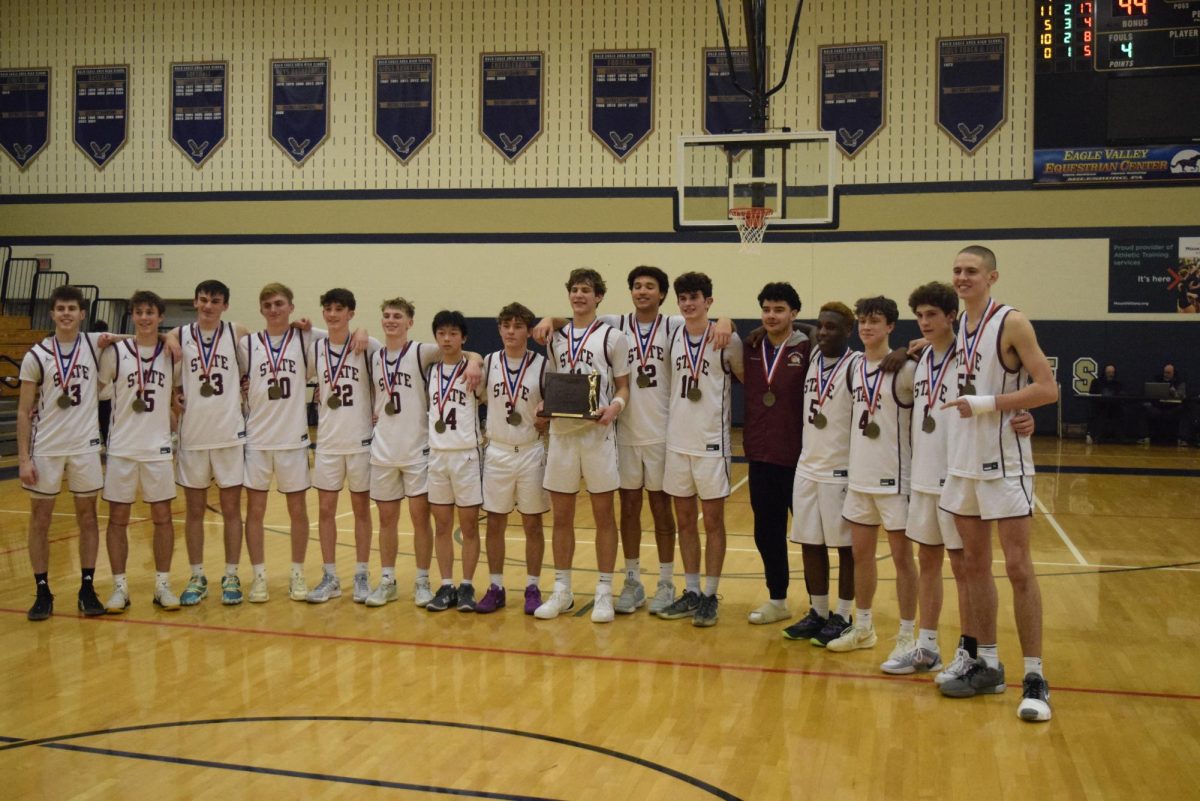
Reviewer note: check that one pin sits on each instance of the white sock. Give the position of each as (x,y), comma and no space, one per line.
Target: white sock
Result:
(119,580)
(197,570)
(928,640)
(862,618)
(907,627)
(389,573)
(710,584)
(448,582)
(633,570)
(230,568)
(691,582)
(779,603)
(820,603)
(496,578)
(604,584)
(422,573)
(531,581)
(467,581)
(162,579)
(260,571)
(1033,664)
(361,567)
(843,608)
(990,655)
(562,579)
(666,571)
(297,568)
(330,569)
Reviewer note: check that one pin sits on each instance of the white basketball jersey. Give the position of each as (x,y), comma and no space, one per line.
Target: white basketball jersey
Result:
(698,425)
(75,429)
(214,420)
(825,457)
(342,374)
(985,445)
(279,364)
(599,349)
(644,421)
(454,407)
(513,386)
(401,405)
(929,446)
(143,436)
(882,464)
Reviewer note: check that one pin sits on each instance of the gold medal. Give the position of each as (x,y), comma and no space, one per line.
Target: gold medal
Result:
(928,424)
(514,418)
(694,394)
(206,389)
(643,380)
(968,388)
(769,399)
(872,430)
(390,408)
(274,392)
(440,426)
(64,402)
(138,405)
(819,420)
(333,402)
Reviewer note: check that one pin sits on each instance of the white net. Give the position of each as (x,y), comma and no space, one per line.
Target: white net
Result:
(751,224)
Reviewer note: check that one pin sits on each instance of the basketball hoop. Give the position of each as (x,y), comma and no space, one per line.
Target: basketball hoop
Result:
(751,225)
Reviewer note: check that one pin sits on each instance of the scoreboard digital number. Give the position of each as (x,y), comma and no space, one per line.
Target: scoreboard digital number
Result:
(1117,35)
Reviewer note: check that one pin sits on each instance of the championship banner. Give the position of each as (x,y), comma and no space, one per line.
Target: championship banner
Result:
(1154,275)
(404,103)
(622,99)
(852,90)
(726,110)
(24,113)
(299,106)
(198,109)
(101,111)
(1117,165)
(972,96)
(511,101)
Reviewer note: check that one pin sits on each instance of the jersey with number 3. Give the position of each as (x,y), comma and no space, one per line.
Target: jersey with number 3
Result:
(75,429)
(528,375)
(216,420)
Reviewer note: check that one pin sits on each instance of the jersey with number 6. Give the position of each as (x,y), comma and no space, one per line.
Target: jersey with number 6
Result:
(215,420)
(281,422)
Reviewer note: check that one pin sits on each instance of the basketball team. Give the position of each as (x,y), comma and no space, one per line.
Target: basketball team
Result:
(929,441)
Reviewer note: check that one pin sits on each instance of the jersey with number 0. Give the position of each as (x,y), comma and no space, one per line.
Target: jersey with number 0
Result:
(275,424)
(985,445)
(216,420)
(929,447)
(528,396)
(604,352)
(825,457)
(347,428)
(75,429)
(882,465)
(142,436)
(459,410)
(401,439)
(644,421)
(701,427)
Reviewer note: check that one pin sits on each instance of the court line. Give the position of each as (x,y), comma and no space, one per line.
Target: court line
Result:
(631,660)
(1062,535)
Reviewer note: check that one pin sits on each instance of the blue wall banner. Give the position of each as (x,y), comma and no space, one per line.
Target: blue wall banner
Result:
(299,106)
(726,110)
(622,99)
(24,113)
(852,84)
(404,103)
(1151,276)
(1117,165)
(101,112)
(972,96)
(199,108)
(510,100)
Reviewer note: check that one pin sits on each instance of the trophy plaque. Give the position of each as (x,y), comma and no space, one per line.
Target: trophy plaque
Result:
(571,395)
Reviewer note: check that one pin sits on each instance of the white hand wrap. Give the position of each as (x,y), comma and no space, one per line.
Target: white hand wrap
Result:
(981,403)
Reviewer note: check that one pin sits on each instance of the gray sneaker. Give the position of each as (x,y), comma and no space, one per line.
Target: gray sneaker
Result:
(664,596)
(706,613)
(632,598)
(329,587)
(684,606)
(978,680)
(384,593)
(362,588)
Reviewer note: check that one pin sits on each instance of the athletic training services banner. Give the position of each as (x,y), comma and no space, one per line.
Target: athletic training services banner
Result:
(851,87)
(299,106)
(511,100)
(726,110)
(198,109)
(1154,275)
(24,113)
(404,103)
(622,99)
(972,97)
(101,112)
(1118,165)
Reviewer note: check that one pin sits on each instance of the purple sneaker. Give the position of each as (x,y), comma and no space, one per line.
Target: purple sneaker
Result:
(492,600)
(533,599)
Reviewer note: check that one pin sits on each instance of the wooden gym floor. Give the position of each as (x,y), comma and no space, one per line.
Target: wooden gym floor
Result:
(340,701)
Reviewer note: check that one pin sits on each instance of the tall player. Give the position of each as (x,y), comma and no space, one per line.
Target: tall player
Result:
(698,449)
(1000,370)
(58,435)
(143,377)
(586,448)
(514,466)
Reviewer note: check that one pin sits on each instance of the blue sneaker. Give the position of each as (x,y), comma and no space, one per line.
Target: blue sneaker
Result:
(195,592)
(231,590)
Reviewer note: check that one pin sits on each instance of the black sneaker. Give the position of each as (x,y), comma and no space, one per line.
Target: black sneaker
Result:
(683,606)
(89,604)
(835,627)
(807,627)
(1035,699)
(978,680)
(445,598)
(43,607)
(466,598)
(706,613)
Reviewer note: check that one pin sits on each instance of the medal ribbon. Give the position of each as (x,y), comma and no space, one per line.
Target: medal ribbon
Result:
(275,357)
(143,372)
(970,342)
(575,345)
(510,389)
(67,365)
(769,373)
(873,392)
(936,379)
(444,385)
(825,385)
(390,379)
(695,362)
(341,363)
(207,355)
(642,344)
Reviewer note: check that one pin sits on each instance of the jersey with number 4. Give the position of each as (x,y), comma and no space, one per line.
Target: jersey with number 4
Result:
(880,440)
(930,421)
(452,406)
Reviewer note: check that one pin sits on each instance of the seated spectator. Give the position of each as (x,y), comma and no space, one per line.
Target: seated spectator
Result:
(1104,418)
(1167,414)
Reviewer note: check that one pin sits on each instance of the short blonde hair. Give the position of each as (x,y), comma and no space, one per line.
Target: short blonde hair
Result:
(271,290)
(401,304)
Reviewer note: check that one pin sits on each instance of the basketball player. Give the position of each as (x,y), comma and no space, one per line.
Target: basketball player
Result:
(455,470)
(698,449)
(880,463)
(1000,369)
(586,448)
(400,447)
(342,455)
(58,435)
(143,376)
(212,433)
(514,466)
(821,477)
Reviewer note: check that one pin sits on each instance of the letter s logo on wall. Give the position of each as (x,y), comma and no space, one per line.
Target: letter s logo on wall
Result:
(1083,371)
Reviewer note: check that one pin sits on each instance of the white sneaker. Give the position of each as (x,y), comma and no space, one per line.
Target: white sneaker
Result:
(362,587)
(258,591)
(768,613)
(298,587)
(853,639)
(602,607)
(900,655)
(664,596)
(384,593)
(118,602)
(422,592)
(559,601)
(956,669)
(632,598)
(330,587)
(165,599)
